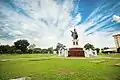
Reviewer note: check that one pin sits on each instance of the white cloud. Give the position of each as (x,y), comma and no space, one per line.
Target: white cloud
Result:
(116,18)
(100,40)
(49,24)
(76,19)
(18,32)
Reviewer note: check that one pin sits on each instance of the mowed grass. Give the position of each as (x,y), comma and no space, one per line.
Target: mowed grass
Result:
(117,55)
(59,68)
(9,56)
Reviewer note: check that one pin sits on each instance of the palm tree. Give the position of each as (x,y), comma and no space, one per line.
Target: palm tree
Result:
(89,46)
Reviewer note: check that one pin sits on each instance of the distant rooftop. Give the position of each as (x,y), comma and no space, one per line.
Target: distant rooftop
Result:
(116,35)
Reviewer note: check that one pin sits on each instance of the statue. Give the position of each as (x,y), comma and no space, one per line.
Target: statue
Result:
(74,34)
(75,50)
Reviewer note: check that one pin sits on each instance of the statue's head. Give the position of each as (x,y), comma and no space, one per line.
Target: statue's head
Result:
(74,29)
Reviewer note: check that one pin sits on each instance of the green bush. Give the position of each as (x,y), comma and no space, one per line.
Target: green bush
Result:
(37,50)
(30,51)
(118,50)
(18,51)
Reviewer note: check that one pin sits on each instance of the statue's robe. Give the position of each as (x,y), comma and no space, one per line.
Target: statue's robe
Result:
(74,35)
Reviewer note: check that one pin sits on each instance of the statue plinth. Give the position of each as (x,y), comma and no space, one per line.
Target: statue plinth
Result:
(76,51)
(75,42)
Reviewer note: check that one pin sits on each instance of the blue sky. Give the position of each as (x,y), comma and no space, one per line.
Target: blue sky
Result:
(47,22)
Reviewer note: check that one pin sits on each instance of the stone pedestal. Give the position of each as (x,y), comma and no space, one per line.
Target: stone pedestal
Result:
(75,42)
(76,51)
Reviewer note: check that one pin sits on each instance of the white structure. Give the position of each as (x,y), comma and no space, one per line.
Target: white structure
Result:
(112,49)
(23,78)
(59,53)
(63,52)
(90,53)
(117,40)
(54,52)
(66,52)
(75,43)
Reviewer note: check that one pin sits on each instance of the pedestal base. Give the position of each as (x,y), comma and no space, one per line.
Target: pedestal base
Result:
(76,52)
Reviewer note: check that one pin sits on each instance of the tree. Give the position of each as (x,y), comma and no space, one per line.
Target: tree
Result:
(44,51)
(98,50)
(59,45)
(21,44)
(37,50)
(118,50)
(19,51)
(106,48)
(32,46)
(50,49)
(12,49)
(102,50)
(56,50)
(89,46)
(4,49)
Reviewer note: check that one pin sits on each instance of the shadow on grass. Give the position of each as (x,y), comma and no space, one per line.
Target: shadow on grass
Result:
(118,78)
(39,59)
(117,65)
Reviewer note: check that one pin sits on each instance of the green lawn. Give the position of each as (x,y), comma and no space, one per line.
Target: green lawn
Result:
(111,55)
(9,56)
(58,68)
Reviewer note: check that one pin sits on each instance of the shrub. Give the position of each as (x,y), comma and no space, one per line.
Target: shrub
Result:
(18,51)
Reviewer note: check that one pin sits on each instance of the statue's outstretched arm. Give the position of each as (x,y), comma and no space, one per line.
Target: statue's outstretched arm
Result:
(71,31)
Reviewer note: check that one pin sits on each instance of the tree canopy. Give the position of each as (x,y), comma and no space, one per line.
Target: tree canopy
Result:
(88,46)
(22,45)
(59,45)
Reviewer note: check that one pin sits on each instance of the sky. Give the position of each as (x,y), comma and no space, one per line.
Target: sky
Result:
(47,22)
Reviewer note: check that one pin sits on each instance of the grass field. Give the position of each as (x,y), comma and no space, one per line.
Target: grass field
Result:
(9,56)
(50,67)
(111,55)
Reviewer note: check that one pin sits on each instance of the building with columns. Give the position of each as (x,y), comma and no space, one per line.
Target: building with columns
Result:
(117,40)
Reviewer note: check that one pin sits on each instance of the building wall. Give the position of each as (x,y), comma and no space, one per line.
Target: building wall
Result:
(117,40)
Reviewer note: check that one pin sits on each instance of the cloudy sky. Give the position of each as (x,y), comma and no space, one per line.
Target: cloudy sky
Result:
(47,22)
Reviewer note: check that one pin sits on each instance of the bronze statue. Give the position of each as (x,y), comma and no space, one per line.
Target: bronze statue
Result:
(74,34)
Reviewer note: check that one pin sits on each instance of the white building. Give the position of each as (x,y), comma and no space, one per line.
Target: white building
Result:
(90,53)
(117,40)
(112,49)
